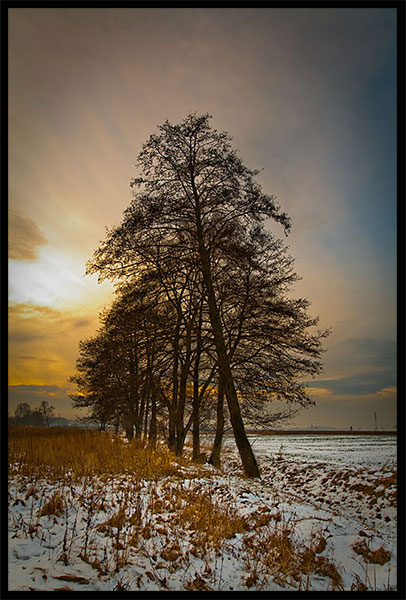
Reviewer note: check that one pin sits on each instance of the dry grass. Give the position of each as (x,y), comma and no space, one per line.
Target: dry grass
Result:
(274,552)
(379,556)
(198,584)
(72,578)
(211,523)
(105,463)
(134,501)
(54,506)
(59,452)
(385,485)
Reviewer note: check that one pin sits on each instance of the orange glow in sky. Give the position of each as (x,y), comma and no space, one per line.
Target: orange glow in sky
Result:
(308,96)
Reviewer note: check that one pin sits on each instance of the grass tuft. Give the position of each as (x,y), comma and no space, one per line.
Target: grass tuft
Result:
(379,556)
(55,506)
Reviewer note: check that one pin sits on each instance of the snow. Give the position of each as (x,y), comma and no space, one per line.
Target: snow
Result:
(120,533)
(338,450)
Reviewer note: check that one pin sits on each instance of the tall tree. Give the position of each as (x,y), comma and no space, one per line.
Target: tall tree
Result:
(271,341)
(47,411)
(96,381)
(194,197)
(22,410)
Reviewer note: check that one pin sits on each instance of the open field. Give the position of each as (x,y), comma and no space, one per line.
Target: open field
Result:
(340,450)
(355,475)
(88,511)
(322,432)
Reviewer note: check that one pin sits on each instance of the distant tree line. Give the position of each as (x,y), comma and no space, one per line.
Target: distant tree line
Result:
(39,416)
(203,330)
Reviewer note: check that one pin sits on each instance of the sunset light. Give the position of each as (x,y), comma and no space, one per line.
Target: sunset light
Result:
(203,297)
(52,280)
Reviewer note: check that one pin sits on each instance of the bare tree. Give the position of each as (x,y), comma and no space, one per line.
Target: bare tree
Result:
(47,411)
(195,227)
(271,340)
(192,189)
(119,369)
(22,410)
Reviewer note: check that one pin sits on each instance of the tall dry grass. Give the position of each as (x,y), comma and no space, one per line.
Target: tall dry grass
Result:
(57,452)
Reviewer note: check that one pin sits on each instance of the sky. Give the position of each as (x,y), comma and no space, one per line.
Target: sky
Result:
(309,97)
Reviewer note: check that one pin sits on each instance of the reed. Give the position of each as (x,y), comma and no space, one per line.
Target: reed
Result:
(57,452)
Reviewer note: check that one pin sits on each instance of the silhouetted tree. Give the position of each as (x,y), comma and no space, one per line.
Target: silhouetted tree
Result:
(25,415)
(193,188)
(47,411)
(97,388)
(118,369)
(195,226)
(22,410)
(271,340)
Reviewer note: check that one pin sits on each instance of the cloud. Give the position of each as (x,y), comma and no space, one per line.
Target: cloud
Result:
(28,310)
(81,322)
(55,280)
(388,392)
(377,352)
(43,343)
(355,385)
(36,358)
(353,355)
(30,323)
(24,236)
(34,394)
(41,390)
(28,315)
(315,391)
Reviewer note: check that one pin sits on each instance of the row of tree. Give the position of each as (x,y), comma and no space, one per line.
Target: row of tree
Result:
(25,415)
(203,330)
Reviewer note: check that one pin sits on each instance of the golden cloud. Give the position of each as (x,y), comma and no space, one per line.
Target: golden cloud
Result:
(24,236)
(43,343)
(318,391)
(388,392)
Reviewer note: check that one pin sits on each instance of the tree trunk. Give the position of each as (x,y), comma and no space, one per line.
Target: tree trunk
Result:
(171,429)
(175,387)
(129,430)
(146,416)
(248,460)
(196,421)
(152,422)
(184,372)
(133,399)
(141,414)
(196,396)
(218,440)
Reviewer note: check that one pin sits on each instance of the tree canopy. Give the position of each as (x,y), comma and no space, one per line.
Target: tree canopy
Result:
(204,309)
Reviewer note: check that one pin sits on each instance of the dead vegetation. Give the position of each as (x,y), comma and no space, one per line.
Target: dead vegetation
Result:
(135,503)
(60,452)
(379,556)
(54,506)
(274,552)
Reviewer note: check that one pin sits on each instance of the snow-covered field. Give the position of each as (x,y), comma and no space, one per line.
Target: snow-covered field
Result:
(323,517)
(351,474)
(347,451)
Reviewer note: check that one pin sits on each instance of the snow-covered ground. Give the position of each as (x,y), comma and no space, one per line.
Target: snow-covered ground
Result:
(323,517)
(347,451)
(350,474)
